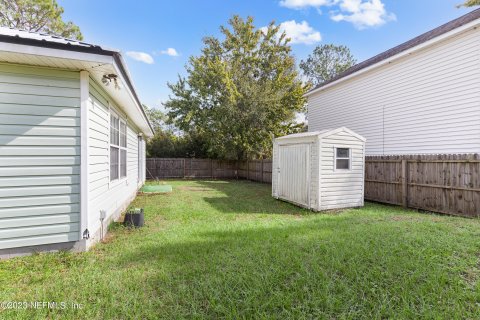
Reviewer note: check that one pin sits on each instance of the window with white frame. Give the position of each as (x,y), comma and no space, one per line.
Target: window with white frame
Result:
(342,158)
(118,148)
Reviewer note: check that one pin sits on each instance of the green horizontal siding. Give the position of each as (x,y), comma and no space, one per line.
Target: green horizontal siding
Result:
(38,191)
(28,201)
(38,230)
(15,78)
(18,140)
(6,161)
(45,210)
(38,240)
(39,130)
(39,100)
(9,108)
(44,73)
(36,90)
(32,221)
(39,120)
(39,180)
(39,156)
(38,171)
(39,151)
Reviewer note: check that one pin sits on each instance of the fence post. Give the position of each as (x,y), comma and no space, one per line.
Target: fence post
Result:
(184,169)
(405,183)
(248,170)
(211,169)
(262,172)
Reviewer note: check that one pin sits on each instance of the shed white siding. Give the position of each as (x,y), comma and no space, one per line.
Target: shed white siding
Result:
(39,156)
(426,102)
(111,196)
(324,186)
(341,189)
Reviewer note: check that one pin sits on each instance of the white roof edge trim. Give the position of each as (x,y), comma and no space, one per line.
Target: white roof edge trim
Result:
(55,53)
(138,107)
(466,27)
(342,129)
(321,134)
(82,56)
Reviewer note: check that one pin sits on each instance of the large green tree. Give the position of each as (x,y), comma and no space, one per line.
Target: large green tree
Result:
(156,117)
(325,62)
(471,3)
(240,91)
(38,16)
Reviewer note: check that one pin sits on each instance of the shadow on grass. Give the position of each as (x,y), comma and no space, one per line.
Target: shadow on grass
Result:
(332,267)
(242,196)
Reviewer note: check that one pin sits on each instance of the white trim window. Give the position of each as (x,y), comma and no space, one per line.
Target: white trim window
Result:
(343,158)
(118,148)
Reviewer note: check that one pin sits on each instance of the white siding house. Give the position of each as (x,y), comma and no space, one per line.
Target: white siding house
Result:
(71,146)
(319,170)
(422,97)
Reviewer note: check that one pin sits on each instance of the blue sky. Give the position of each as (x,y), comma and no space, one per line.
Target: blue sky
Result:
(146,30)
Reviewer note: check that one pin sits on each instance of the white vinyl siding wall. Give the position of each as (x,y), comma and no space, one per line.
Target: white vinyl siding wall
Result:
(312,166)
(39,156)
(111,196)
(341,188)
(427,102)
(328,188)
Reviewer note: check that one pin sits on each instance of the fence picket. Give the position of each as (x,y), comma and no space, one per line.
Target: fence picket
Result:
(165,168)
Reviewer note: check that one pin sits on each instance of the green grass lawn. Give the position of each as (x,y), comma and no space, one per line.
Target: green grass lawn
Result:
(217,249)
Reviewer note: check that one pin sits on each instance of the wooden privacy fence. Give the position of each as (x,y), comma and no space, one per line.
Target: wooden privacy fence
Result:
(440,183)
(164,168)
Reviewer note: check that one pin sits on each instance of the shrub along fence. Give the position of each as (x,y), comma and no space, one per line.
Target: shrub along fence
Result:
(164,168)
(440,183)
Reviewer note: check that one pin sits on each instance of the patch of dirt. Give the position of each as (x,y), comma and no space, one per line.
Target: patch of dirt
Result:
(109,237)
(333,212)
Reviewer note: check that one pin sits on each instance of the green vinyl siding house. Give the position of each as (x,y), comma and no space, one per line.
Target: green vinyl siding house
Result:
(72,142)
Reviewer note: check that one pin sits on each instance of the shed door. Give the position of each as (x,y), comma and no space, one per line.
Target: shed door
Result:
(293,173)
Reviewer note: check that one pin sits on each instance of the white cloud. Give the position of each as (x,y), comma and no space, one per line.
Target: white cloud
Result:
(140,56)
(300,32)
(363,14)
(170,52)
(300,4)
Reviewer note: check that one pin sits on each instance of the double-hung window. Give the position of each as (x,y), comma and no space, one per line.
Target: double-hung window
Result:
(118,148)
(342,158)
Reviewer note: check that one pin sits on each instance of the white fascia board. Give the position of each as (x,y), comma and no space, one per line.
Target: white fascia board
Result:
(343,129)
(55,53)
(78,56)
(145,127)
(466,27)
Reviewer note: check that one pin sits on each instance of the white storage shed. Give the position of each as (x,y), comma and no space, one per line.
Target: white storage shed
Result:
(320,170)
